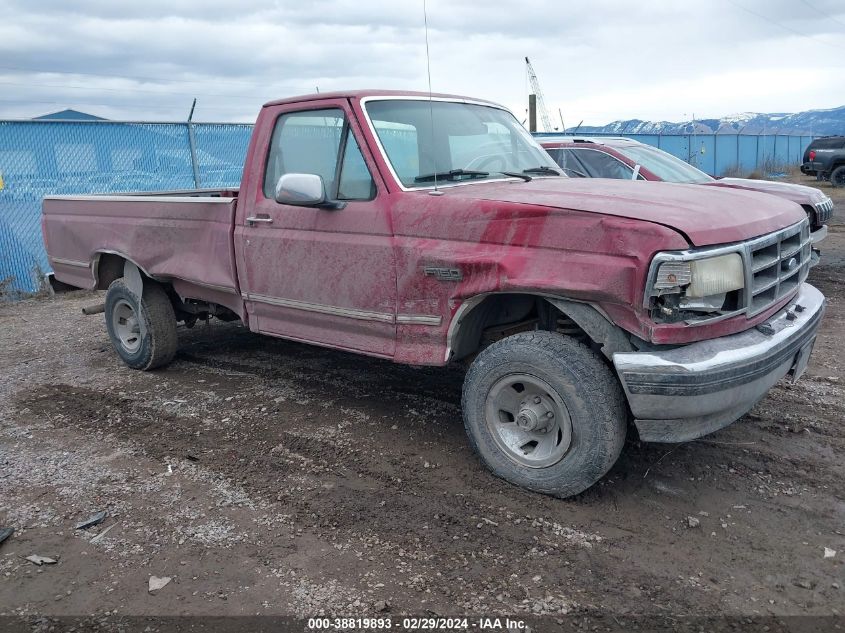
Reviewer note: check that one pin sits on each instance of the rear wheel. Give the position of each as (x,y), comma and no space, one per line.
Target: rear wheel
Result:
(544,412)
(837,176)
(142,329)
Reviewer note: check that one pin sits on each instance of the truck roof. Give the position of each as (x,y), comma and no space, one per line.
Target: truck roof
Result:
(360,94)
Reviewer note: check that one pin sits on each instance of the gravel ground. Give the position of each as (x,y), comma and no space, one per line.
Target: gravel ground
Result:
(268,477)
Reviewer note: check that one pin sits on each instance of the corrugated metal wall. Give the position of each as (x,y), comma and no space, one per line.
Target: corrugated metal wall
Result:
(718,154)
(40,158)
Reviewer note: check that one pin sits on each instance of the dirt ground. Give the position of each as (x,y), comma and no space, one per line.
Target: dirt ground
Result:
(269,477)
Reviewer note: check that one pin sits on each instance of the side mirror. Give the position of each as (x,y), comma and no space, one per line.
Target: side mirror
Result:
(304,190)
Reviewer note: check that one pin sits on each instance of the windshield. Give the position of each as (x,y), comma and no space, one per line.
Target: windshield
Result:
(665,166)
(454,142)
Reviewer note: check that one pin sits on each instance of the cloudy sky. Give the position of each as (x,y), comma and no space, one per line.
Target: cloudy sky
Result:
(597,61)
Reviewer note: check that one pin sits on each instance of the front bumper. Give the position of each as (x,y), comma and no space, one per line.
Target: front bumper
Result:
(819,234)
(684,393)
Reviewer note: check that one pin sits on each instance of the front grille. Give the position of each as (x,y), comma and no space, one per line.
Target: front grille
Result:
(776,264)
(774,267)
(824,210)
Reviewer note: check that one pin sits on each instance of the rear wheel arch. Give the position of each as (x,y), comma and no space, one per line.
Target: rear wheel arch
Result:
(109,266)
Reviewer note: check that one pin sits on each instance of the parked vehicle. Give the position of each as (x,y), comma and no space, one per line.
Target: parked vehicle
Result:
(825,159)
(434,229)
(620,157)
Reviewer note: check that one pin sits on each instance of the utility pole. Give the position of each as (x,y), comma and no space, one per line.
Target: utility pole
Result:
(539,102)
(532,113)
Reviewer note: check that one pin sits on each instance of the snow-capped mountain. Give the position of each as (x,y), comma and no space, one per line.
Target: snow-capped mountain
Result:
(811,122)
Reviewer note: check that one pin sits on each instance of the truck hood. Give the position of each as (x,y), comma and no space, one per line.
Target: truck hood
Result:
(705,215)
(796,193)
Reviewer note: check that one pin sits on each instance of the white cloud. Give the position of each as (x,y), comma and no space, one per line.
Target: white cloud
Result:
(596,61)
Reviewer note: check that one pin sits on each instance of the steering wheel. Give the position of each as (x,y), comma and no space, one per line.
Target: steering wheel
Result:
(576,172)
(486,164)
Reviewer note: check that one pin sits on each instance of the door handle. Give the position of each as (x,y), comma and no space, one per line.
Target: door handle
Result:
(253,219)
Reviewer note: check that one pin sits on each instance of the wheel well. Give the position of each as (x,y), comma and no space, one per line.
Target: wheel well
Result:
(496,316)
(109,267)
(811,213)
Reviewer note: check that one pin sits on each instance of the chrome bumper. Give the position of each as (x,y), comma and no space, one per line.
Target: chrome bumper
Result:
(819,234)
(684,393)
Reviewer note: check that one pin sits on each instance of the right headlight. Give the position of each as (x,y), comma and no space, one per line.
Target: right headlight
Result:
(698,287)
(701,277)
(716,275)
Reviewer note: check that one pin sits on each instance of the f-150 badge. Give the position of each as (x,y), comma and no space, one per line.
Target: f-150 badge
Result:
(443,274)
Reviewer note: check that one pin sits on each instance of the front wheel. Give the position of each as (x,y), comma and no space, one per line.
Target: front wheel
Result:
(544,412)
(142,329)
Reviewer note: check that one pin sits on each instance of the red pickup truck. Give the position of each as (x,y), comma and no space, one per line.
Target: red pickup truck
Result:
(433,229)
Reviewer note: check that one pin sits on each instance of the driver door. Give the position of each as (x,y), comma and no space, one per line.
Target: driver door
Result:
(323,276)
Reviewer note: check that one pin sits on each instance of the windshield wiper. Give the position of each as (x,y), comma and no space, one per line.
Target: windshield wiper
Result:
(452,174)
(542,169)
(516,174)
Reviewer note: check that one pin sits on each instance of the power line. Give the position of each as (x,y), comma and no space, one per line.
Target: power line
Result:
(817,10)
(783,26)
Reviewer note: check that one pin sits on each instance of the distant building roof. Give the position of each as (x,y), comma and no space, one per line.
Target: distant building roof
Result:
(69,115)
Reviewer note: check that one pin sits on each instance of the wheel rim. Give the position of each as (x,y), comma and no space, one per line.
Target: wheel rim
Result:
(127,326)
(840,179)
(528,420)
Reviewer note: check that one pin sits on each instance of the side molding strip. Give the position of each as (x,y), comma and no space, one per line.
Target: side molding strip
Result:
(418,319)
(69,262)
(350,313)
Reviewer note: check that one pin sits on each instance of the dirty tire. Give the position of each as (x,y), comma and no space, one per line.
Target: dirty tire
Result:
(590,391)
(157,341)
(837,176)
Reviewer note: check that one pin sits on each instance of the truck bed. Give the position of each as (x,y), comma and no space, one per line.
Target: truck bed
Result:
(180,236)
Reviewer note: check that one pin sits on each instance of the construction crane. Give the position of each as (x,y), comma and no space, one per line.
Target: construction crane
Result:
(541,104)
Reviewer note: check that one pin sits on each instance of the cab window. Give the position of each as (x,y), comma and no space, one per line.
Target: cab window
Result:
(318,142)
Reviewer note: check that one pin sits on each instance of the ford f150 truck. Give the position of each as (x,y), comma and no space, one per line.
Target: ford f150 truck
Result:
(430,229)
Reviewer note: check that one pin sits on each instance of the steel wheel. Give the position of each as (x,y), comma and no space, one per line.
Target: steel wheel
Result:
(528,420)
(127,326)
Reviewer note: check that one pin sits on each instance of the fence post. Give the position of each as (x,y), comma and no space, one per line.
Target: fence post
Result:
(738,164)
(715,155)
(192,142)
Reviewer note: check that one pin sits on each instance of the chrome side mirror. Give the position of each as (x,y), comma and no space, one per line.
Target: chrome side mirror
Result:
(303,190)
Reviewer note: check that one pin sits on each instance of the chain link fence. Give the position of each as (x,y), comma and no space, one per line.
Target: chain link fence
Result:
(40,158)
